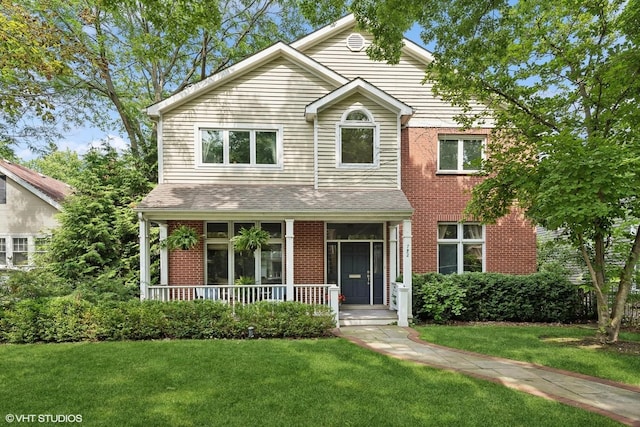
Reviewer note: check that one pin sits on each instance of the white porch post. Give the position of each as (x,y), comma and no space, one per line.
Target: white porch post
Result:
(403,298)
(288,235)
(407,268)
(145,260)
(334,290)
(164,254)
(393,252)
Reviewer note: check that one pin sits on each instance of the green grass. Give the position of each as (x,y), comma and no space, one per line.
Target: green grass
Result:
(328,382)
(525,343)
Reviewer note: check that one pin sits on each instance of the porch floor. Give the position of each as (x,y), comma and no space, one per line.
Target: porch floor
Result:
(366,315)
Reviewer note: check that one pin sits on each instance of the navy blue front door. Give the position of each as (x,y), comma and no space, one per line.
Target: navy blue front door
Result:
(355,272)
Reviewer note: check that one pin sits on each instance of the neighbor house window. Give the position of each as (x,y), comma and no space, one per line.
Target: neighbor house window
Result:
(460,155)
(20,251)
(3,251)
(460,247)
(357,139)
(240,146)
(3,189)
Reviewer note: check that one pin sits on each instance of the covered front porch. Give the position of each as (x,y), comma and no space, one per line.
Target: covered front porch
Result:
(325,246)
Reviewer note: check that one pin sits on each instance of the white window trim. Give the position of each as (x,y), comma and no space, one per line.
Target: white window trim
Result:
(459,242)
(460,157)
(344,123)
(252,129)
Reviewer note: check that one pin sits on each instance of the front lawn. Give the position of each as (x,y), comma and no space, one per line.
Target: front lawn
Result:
(570,348)
(328,382)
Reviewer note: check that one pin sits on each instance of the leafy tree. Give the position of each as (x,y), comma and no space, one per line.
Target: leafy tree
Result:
(34,56)
(559,80)
(129,54)
(65,166)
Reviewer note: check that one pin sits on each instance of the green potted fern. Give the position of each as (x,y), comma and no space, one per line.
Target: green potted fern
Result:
(251,239)
(183,237)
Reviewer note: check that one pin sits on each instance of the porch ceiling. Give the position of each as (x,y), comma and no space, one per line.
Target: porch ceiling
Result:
(206,201)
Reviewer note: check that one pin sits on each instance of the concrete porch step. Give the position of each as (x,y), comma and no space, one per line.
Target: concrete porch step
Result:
(367,315)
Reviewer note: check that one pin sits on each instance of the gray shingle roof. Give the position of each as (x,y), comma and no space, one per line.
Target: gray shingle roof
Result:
(273,199)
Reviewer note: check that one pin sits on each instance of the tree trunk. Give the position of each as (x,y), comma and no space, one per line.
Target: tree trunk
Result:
(596,271)
(624,287)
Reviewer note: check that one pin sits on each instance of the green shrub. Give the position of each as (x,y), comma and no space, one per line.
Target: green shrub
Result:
(439,297)
(540,297)
(70,318)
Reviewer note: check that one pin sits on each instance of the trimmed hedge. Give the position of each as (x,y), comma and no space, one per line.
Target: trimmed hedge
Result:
(540,297)
(68,318)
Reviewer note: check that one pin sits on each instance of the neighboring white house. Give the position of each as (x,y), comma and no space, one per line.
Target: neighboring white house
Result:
(29,202)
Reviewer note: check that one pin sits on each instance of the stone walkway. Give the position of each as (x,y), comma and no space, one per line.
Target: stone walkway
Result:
(617,401)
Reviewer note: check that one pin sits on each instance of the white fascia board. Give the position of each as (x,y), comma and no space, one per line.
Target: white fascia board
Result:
(366,89)
(236,70)
(25,184)
(323,33)
(417,51)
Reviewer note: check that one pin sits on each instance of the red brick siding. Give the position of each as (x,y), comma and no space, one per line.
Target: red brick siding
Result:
(187,267)
(510,244)
(308,250)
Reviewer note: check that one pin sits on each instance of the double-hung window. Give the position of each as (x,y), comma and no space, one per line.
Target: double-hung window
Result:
(460,154)
(357,139)
(460,248)
(20,251)
(242,146)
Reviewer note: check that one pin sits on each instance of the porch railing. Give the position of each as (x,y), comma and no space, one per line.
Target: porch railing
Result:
(244,294)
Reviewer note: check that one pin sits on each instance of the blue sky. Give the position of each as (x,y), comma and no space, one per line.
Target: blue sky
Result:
(81,139)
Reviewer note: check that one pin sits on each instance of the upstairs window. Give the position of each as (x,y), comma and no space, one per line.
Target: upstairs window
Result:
(460,155)
(240,146)
(357,139)
(3,189)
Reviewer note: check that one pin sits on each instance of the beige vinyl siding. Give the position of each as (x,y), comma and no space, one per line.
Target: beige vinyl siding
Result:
(273,94)
(25,213)
(385,175)
(403,81)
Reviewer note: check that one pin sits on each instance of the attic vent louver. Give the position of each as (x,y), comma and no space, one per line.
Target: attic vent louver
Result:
(355,42)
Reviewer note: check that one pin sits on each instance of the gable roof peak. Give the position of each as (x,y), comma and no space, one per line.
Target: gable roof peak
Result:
(359,85)
(278,49)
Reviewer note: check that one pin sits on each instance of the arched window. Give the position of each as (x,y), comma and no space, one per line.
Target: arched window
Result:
(357,138)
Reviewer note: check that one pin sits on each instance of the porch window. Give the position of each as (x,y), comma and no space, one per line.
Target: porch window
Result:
(259,146)
(357,139)
(351,231)
(460,155)
(460,248)
(225,265)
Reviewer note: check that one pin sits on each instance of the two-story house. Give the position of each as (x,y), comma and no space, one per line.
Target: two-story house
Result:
(355,168)
(29,202)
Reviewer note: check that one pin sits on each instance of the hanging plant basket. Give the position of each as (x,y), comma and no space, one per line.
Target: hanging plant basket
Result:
(250,240)
(183,237)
